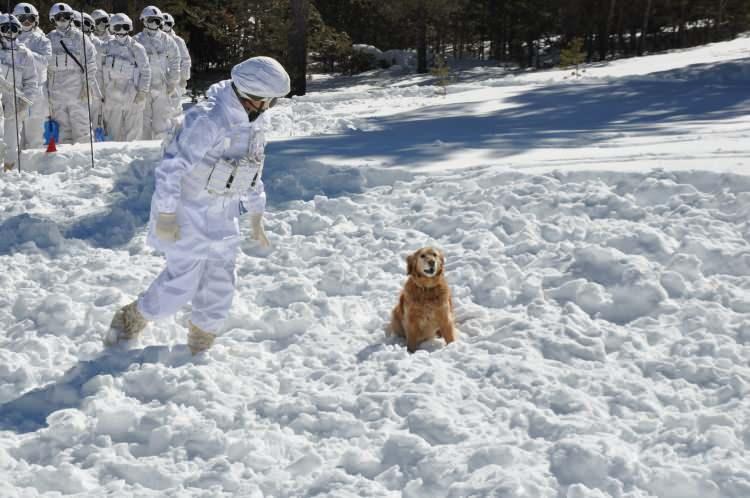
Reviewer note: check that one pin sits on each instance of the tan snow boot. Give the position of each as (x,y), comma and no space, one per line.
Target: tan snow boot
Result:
(198,339)
(128,323)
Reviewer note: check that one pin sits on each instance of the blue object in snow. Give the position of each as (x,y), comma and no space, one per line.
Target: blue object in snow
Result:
(51,129)
(100,135)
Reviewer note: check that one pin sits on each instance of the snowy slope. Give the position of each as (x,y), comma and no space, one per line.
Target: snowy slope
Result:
(596,234)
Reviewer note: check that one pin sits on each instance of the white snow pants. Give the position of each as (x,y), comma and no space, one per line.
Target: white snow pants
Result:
(123,118)
(208,283)
(33,129)
(68,109)
(158,115)
(8,128)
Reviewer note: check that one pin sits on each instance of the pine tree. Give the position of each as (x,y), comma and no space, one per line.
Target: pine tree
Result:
(573,55)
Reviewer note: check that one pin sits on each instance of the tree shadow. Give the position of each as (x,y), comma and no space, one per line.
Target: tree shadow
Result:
(564,115)
(29,412)
(117,226)
(114,227)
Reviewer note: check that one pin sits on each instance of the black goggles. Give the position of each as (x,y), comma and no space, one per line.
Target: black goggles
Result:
(26,18)
(266,102)
(168,23)
(88,24)
(63,16)
(77,24)
(102,20)
(9,28)
(154,20)
(117,28)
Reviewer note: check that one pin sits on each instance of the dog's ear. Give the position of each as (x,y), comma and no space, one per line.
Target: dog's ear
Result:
(442,262)
(411,265)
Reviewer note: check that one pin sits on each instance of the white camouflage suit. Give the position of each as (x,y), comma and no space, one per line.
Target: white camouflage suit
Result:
(66,82)
(164,60)
(26,85)
(201,264)
(185,65)
(125,72)
(33,130)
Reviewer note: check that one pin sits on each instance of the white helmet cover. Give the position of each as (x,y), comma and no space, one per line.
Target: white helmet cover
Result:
(9,19)
(262,77)
(98,14)
(120,18)
(57,8)
(25,8)
(149,11)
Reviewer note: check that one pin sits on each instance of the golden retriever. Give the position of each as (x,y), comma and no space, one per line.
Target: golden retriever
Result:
(424,308)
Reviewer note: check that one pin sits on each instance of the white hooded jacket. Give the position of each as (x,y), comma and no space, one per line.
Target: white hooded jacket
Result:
(25,73)
(212,130)
(40,46)
(125,65)
(164,58)
(68,72)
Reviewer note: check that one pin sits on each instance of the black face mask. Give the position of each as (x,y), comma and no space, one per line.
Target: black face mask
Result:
(253,115)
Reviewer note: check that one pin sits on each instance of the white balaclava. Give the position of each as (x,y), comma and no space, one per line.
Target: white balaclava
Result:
(101,21)
(62,25)
(152,19)
(120,25)
(27,15)
(166,26)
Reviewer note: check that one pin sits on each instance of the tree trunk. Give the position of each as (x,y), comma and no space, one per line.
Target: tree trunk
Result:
(421,38)
(720,18)
(644,29)
(604,36)
(682,37)
(297,46)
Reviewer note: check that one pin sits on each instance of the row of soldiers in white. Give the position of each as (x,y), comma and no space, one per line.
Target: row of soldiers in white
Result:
(135,83)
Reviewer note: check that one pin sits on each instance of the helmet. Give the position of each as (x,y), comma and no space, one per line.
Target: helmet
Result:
(99,14)
(261,77)
(168,21)
(25,8)
(9,26)
(150,11)
(27,15)
(88,23)
(59,8)
(118,20)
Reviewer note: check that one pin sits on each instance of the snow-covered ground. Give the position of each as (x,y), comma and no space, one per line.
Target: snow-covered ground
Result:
(598,248)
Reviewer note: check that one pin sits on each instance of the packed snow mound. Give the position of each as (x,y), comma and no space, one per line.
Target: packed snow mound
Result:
(599,263)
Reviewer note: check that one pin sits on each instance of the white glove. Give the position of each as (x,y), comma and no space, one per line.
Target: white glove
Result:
(140,97)
(259,233)
(21,106)
(172,88)
(167,228)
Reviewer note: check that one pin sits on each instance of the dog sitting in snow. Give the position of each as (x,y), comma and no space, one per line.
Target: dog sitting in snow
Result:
(424,308)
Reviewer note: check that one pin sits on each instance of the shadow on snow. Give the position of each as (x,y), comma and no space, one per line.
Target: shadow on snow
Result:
(29,412)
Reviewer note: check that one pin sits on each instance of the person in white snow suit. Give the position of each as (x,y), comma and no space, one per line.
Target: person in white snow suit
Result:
(164,59)
(185,61)
(69,70)
(127,78)
(33,38)
(19,82)
(210,173)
